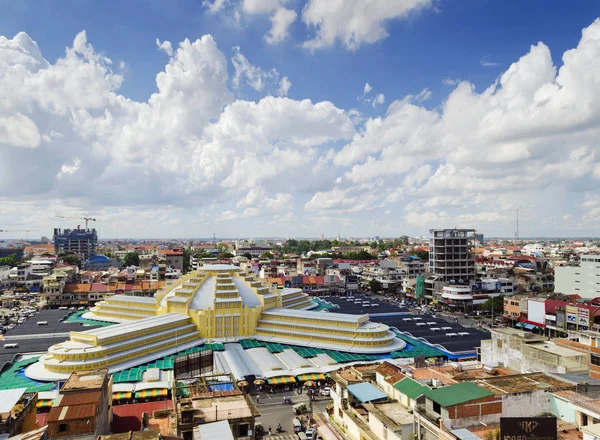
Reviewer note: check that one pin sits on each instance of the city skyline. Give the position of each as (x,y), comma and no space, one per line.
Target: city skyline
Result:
(268,118)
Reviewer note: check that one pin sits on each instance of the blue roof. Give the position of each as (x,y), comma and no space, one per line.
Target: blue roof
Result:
(365,392)
(464,434)
(98,259)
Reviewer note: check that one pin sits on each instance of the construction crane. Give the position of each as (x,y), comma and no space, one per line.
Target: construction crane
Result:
(20,230)
(87,219)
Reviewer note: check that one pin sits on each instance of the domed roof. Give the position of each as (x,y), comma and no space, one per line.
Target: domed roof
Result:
(99,259)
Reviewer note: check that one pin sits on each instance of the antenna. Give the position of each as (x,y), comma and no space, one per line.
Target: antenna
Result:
(517,232)
(214,238)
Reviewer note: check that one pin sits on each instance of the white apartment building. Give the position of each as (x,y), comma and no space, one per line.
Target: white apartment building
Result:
(583,280)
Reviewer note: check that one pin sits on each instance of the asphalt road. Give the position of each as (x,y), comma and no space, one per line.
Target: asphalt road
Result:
(273,411)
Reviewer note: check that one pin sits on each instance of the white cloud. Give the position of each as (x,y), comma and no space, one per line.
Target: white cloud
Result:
(451,82)
(19,131)
(190,143)
(284,86)
(367,88)
(281,20)
(165,46)
(485,63)
(378,100)
(355,22)
(214,6)
(423,95)
(67,170)
(257,78)
(194,152)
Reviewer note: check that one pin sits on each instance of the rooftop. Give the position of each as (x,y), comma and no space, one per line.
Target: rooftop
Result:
(85,380)
(523,383)
(457,394)
(366,392)
(9,398)
(411,388)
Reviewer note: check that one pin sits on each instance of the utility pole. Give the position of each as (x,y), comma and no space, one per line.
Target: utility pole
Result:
(517,232)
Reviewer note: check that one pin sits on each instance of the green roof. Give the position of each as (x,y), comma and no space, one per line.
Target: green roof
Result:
(411,388)
(457,394)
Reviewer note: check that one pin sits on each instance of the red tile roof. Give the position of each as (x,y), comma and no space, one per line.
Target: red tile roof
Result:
(552,304)
(77,288)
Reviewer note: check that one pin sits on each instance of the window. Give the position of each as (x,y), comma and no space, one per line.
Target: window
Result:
(62,427)
(436,408)
(595,359)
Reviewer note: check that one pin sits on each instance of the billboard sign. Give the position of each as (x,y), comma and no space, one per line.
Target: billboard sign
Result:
(571,314)
(528,428)
(583,317)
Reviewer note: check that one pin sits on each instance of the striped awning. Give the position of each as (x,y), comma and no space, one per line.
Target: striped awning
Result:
(157,392)
(121,396)
(44,403)
(281,380)
(311,376)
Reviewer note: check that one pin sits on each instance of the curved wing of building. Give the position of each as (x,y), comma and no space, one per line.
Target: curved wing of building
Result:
(216,303)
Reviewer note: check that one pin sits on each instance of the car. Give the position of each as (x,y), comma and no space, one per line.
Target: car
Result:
(311,433)
(326,391)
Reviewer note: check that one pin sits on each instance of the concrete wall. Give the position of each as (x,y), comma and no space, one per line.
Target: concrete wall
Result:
(526,404)
(581,280)
(382,432)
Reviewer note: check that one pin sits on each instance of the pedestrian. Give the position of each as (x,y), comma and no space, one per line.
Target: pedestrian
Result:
(270,430)
(257,399)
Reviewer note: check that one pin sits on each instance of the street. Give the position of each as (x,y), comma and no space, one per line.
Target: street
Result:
(273,411)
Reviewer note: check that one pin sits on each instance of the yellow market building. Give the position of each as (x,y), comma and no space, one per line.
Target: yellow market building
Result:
(217,303)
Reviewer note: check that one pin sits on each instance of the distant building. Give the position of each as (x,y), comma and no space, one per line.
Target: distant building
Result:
(583,279)
(479,238)
(451,258)
(83,406)
(8,251)
(81,242)
(101,262)
(173,257)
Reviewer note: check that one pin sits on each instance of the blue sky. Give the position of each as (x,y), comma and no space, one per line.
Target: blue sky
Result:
(431,45)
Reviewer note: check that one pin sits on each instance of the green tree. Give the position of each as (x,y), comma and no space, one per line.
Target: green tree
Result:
(248,255)
(497,303)
(226,255)
(71,259)
(10,260)
(131,258)
(267,255)
(375,286)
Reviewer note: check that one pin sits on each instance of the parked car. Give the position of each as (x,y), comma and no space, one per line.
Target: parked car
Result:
(326,391)
(311,433)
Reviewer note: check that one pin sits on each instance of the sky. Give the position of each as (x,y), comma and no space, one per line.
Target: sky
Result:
(296,118)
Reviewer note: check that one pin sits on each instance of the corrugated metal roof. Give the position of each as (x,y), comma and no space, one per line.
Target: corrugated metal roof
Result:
(457,394)
(365,392)
(411,388)
(78,398)
(72,412)
(81,411)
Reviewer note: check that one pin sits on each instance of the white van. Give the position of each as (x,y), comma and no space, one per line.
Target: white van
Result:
(42,323)
(11,345)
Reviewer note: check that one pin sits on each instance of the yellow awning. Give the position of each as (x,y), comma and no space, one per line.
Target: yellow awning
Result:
(44,403)
(158,392)
(311,376)
(281,380)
